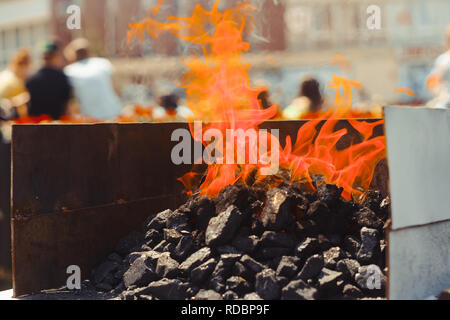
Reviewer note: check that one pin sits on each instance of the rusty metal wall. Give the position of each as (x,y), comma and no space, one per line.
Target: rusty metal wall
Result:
(77,189)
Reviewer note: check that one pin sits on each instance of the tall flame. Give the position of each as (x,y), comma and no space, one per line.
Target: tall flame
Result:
(219,93)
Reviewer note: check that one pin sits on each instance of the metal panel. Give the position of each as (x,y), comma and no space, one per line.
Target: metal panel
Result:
(419,261)
(418,147)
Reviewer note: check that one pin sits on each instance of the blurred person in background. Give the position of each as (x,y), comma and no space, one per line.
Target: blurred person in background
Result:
(91,78)
(438,82)
(13,93)
(309,100)
(169,109)
(49,88)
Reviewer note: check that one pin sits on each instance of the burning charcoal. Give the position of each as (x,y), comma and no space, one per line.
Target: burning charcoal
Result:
(166,267)
(222,228)
(208,295)
(159,221)
(266,285)
(168,289)
(278,213)
(307,247)
(370,278)
(352,245)
(195,260)
(270,253)
(228,250)
(332,256)
(288,267)
(369,245)
(241,271)
(252,264)
(329,193)
(318,211)
(312,267)
(276,239)
(139,274)
(200,274)
(238,285)
(128,243)
(348,267)
(245,244)
(252,297)
(298,290)
(103,270)
(153,237)
(367,218)
(236,195)
(184,248)
(352,291)
(203,210)
(230,295)
(328,282)
(172,236)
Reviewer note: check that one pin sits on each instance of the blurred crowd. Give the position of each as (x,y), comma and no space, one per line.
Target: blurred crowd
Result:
(74,86)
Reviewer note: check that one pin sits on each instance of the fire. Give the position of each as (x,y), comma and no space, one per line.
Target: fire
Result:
(220,94)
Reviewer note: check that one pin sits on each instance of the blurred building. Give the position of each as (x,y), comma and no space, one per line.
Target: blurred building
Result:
(300,36)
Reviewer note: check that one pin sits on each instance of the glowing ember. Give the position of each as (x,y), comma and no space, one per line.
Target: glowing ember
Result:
(219,93)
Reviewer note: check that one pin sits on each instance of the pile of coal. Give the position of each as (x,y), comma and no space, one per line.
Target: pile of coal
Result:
(251,244)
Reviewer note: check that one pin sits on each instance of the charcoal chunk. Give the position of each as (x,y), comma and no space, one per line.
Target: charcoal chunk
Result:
(369,245)
(168,289)
(184,248)
(270,253)
(370,278)
(278,213)
(252,297)
(329,193)
(276,239)
(104,270)
(208,295)
(318,211)
(153,237)
(328,282)
(352,291)
(238,285)
(241,271)
(313,266)
(159,221)
(298,290)
(352,245)
(307,247)
(288,267)
(245,244)
(177,221)
(367,218)
(167,267)
(266,285)
(172,236)
(230,295)
(126,244)
(195,260)
(222,228)
(348,267)
(139,274)
(236,195)
(252,264)
(201,273)
(203,210)
(332,256)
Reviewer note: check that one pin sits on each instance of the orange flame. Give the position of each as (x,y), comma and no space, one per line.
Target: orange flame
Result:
(219,93)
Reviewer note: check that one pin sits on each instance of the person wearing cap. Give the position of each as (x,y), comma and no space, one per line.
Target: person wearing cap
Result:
(49,87)
(92,82)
